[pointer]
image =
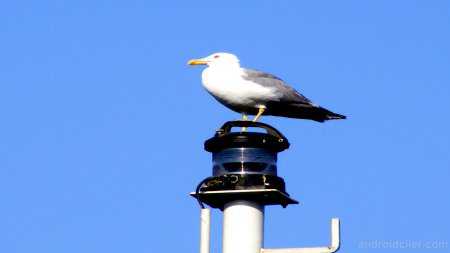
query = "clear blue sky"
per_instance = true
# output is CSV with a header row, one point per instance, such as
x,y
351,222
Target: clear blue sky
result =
x,y
103,123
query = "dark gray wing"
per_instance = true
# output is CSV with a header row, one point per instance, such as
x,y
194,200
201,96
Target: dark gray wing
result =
x,y
286,93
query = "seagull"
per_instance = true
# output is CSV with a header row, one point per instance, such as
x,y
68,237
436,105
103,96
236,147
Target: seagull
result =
x,y
252,92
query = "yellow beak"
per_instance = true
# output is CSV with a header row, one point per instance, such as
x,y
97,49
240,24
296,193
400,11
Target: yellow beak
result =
x,y
197,62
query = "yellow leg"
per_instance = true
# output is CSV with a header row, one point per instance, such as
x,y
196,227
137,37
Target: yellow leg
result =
x,y
261,110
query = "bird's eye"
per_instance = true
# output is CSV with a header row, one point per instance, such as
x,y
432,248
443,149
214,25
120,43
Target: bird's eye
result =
x,y
216,56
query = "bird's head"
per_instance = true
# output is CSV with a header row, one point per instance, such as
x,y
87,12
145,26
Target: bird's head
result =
x,y
216,59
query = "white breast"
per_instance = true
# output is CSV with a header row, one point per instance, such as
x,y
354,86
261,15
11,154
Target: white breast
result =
x,y
228,85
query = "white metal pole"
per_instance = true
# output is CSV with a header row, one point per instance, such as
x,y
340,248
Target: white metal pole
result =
x,y
205,230
243,227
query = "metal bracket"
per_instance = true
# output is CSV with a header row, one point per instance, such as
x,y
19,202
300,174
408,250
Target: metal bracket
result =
x,y
335,243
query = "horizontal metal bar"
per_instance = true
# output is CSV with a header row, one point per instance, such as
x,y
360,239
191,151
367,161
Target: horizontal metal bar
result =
x,y
335,243
298,250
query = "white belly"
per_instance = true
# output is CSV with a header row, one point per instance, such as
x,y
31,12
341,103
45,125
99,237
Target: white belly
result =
x,y
228,87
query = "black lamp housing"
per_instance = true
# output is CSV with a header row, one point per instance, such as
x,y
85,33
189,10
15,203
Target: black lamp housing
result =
x,y
245,153
244,166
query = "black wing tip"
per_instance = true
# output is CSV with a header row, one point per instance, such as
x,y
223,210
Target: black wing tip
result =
x,y
322,120
336,116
